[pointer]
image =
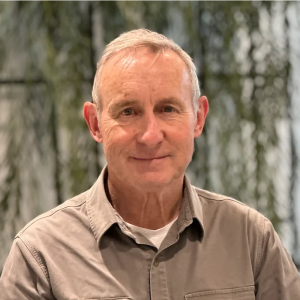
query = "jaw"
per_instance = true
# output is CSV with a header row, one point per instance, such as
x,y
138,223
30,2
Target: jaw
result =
x,y
147,177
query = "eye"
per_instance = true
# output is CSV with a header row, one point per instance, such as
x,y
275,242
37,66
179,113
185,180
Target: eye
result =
x,y
127,112
168,109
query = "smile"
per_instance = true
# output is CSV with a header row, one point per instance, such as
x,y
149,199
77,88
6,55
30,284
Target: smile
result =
x,y
149,159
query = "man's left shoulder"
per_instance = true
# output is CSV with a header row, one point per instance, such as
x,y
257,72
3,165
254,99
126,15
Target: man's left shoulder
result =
x,y
218,199
228,208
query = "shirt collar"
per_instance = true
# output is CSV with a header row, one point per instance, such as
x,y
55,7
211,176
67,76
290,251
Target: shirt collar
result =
x,y
100,212
102,215
192,207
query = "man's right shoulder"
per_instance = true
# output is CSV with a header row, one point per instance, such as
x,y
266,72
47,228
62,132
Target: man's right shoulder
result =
x,y
72,210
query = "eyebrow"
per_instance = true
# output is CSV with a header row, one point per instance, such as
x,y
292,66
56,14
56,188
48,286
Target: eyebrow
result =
x,y
113,106
118,105
170,100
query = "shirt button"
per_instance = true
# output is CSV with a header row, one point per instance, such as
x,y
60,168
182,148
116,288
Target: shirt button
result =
x,y
156,263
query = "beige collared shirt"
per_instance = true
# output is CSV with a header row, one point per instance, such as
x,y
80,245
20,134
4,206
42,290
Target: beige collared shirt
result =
x,y
217,249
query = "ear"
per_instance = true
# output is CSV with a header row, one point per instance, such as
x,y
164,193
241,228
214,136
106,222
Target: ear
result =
x,y
201,115
90,115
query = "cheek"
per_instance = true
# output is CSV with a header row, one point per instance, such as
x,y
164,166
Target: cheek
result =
x,y
183,138
108,129
183,132
116,138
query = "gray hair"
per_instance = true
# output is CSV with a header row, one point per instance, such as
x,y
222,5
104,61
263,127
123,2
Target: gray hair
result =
x,y
155,41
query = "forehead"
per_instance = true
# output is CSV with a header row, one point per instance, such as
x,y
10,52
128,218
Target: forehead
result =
x,y
143,67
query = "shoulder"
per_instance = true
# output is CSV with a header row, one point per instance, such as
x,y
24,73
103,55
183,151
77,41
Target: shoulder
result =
x,y
232,218
230,207
72,211
236,223
211,197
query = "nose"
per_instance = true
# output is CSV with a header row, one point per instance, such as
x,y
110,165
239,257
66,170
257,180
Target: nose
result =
x,y
150,133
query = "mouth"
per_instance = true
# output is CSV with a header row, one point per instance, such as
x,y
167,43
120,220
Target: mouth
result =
x,y
149,158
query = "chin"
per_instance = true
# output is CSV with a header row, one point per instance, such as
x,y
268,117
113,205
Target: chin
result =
x,y
153,181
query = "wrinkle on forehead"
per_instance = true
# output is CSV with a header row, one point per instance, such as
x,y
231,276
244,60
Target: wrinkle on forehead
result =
x,y
129,57
126,60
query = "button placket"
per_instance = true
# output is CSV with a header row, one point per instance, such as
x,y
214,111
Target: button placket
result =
x,y
158,279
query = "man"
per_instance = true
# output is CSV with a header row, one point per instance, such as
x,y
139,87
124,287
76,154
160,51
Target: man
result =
x,y
142,231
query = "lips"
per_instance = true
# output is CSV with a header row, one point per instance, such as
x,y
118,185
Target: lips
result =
x,y
149,158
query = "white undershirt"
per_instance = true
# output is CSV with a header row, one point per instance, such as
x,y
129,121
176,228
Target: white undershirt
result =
x,y
154,236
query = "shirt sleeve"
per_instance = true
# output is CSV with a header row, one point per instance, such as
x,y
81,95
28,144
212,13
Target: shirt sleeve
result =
x,y
23,276
278,278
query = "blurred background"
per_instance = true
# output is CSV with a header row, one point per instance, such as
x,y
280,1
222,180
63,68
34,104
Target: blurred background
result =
x,y
248,59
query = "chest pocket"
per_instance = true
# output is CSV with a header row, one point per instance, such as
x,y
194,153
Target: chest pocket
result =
x,y
241,293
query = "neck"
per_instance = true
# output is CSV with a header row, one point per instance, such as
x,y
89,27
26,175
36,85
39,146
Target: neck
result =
x,y
151,209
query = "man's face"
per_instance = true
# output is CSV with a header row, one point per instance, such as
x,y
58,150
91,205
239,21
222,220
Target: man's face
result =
x,y
147,122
